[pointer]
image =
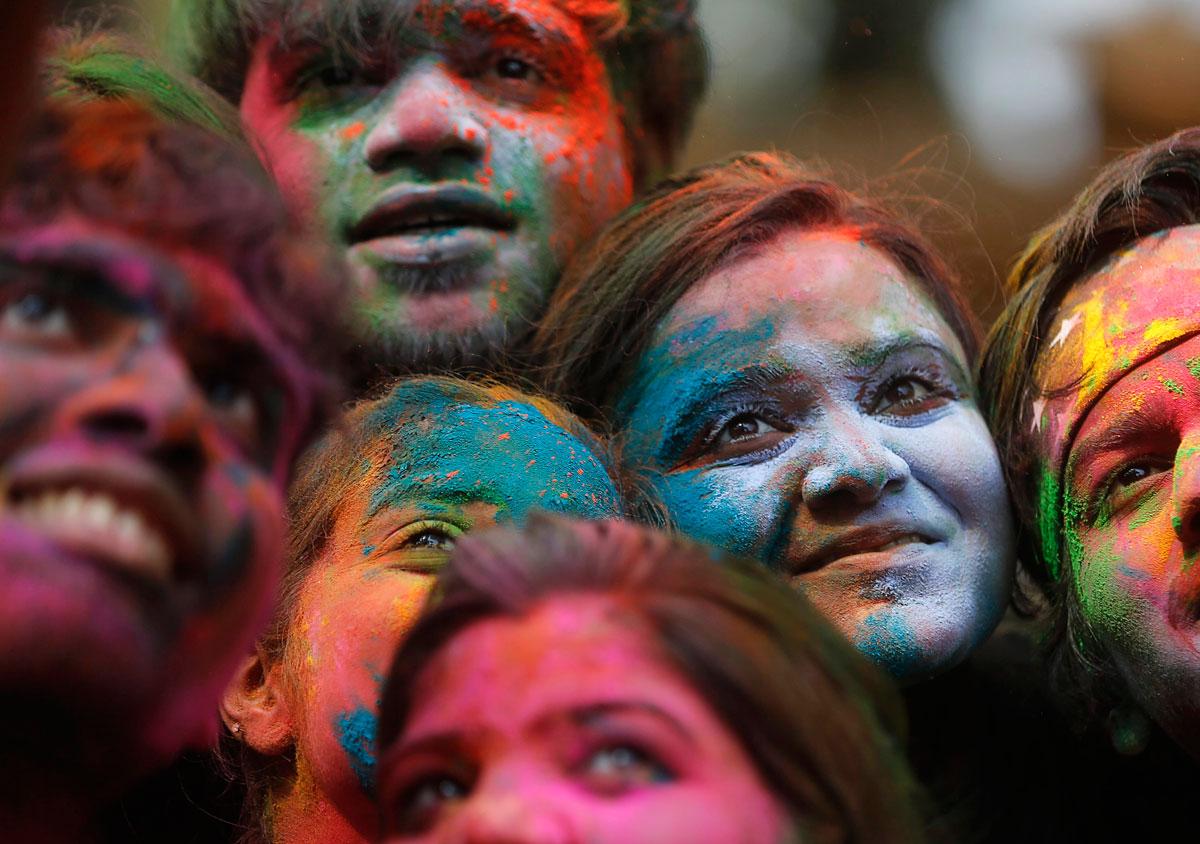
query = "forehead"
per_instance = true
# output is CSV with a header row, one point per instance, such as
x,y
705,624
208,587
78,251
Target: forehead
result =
x,y
570,647
366,23
817,287
446,446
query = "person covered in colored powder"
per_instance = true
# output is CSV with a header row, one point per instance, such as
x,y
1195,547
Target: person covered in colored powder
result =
x,y
457,151
796,382
1091,377
603,682
374,510
164,349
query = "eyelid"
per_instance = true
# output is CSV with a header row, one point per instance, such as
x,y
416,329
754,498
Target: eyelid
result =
x,y
705,441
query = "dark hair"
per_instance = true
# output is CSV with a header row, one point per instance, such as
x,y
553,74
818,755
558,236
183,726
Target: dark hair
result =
x,y
1146,191
654,51
819,722
604,312
364,437
144,157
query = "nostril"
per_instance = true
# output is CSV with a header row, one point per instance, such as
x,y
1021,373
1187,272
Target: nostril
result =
x,y
118,423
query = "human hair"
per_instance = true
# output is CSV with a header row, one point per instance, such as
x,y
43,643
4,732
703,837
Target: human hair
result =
x,y
367,436
654,50
821,725
603,314
145,158
1149,190
84,64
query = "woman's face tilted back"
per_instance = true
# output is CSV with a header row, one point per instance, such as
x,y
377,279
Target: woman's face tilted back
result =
x,y
445,463
808,406
566,725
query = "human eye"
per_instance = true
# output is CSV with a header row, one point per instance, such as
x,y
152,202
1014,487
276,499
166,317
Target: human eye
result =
x,y
422,546
618,768
749,432
421,804
1132,481
34,317
515,74
327,81
911,394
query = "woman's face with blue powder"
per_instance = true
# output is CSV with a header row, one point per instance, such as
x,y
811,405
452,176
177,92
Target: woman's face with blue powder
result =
x,y
809,407
444,463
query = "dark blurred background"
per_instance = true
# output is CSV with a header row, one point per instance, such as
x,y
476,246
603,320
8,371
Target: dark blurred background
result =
x,y
997,110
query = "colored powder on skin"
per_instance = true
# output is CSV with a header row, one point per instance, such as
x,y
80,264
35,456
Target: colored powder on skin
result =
x,y
886,639
1073,512
1147,509
1048,519
356,734
1172,387
1193,366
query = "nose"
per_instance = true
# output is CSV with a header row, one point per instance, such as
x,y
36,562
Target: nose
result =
x,y
510,817
427,123
150,405
1186,492
853,468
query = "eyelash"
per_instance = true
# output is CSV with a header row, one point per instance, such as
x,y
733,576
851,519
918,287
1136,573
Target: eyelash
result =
x,y
931,377
708,441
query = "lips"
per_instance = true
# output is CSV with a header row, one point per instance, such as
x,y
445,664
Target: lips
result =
x,y
858,541
425,212
120,514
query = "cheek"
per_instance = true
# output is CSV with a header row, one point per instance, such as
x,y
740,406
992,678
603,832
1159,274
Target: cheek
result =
x,y
956,457
1123,576
298,162
737,509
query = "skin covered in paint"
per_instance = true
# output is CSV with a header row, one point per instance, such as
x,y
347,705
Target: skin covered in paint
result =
x,y
566,725
150,418
453,468
807,406
1131,509
458,176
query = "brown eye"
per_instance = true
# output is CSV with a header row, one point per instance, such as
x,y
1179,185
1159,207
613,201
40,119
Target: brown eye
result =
x,y
909,396
743,427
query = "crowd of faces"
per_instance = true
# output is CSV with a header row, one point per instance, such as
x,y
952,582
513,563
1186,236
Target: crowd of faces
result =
x,y
269,363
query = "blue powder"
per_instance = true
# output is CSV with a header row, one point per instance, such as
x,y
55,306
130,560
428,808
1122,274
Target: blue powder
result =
x,y
356,734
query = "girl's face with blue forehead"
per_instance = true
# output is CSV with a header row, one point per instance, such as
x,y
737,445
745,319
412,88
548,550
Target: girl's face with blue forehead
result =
x,y
809,407
445,465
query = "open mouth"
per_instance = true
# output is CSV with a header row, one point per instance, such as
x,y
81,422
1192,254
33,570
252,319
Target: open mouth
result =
x,y
430,212
858,543
136,529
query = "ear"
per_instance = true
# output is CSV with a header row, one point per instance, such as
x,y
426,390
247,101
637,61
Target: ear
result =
x,y
255,708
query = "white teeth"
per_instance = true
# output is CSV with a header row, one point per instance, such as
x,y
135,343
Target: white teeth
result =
x,y
95,524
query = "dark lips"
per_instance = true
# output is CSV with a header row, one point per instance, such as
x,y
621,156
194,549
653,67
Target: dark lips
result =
x,y
854,541
418,212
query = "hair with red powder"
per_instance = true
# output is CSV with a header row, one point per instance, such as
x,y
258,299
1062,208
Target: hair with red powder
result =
x,y
821,724
614,294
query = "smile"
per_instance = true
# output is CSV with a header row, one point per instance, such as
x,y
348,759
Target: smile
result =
x,y
126,520
859,542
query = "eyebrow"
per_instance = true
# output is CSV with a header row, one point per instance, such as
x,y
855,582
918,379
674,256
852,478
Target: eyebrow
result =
x,y
1130,427
107,268
873,356
588,716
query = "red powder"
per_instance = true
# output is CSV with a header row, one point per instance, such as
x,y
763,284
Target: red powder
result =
x,y
353,131
453,474
503,437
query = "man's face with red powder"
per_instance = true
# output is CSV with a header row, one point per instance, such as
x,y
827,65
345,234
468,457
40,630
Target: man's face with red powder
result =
x,y
458,167
149,415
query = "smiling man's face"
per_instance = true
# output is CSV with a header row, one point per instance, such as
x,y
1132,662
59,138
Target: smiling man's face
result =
x,y
149,418
458,169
